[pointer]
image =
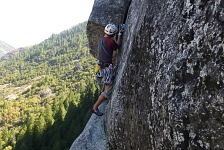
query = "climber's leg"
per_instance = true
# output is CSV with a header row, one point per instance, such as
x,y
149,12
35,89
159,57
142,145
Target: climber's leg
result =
x,y
106,94
96,105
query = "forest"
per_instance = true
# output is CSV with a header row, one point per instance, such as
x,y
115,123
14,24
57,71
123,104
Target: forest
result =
x,y
47,92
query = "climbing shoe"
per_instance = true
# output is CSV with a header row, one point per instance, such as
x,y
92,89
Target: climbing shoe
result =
x,y
97,112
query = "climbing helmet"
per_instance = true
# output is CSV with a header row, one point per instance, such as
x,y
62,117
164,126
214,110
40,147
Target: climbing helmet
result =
x,y
110,29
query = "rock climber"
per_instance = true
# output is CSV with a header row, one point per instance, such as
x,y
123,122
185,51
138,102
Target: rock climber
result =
x,y
105,69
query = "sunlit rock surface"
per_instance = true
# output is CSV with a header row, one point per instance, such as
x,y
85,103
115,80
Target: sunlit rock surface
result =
x,y
93,136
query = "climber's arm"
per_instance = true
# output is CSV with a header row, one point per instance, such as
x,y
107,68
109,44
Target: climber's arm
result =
x,y
119,39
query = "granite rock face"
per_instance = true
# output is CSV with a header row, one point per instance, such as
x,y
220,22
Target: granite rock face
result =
x,y
104,12
169,92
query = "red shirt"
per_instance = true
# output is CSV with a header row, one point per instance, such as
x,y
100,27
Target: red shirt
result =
x,y
106,46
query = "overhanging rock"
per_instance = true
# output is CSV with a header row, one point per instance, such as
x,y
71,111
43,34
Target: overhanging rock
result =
x,y
104,12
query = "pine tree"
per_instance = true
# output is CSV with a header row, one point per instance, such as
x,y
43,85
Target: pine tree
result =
x,y
48,116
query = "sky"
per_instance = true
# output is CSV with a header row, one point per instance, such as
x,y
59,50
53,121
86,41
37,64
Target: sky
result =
x,y
28,22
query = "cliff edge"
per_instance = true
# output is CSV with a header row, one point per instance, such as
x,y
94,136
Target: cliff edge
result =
x,y
93,137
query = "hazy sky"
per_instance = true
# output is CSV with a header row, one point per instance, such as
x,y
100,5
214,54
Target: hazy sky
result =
x,y
28,22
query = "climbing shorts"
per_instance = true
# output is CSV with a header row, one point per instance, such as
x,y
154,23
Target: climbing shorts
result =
x,y
107,91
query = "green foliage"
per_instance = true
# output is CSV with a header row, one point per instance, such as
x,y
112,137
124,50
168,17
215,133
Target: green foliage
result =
x,y
62,133
47,92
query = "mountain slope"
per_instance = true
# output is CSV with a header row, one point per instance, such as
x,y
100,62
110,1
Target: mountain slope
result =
x,y
5,48
45,89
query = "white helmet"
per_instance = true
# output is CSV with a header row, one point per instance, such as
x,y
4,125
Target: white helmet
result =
x,y
111,29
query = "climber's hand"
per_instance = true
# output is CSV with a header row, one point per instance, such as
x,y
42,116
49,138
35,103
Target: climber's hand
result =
x,y
122,28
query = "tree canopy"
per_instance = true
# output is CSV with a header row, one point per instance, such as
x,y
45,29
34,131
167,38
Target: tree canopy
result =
x,y
47,92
